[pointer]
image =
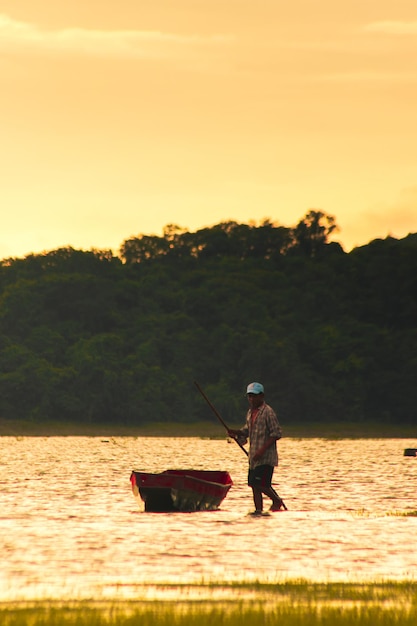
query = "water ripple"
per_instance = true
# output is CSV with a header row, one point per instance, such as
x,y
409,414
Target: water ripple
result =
x,y
70,527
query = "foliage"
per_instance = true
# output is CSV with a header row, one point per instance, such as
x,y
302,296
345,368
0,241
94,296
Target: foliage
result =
x,y
288,603
90,337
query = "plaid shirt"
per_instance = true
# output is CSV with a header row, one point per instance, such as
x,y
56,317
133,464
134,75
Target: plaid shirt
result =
x,y
266,425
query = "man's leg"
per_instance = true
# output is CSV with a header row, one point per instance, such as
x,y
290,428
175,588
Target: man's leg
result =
x,y
276,501
257,499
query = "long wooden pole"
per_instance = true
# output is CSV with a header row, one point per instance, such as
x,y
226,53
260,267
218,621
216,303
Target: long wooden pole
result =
x,y
219,417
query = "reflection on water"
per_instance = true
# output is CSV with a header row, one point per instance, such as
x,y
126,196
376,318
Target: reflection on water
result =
x,y
70,527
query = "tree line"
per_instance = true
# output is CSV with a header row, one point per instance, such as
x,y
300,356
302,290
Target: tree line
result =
x,y
89,336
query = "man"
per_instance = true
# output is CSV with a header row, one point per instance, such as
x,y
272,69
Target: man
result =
x,y
263,429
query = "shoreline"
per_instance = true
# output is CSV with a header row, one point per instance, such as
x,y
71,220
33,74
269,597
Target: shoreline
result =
x,y
210,430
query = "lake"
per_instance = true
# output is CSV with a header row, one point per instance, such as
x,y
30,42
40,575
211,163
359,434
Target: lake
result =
x,y
70,527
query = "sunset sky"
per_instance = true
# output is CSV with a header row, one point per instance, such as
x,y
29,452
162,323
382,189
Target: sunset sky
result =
x,y
119,117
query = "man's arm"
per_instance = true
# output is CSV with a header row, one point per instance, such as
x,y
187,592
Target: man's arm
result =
x,y
268,443
239,434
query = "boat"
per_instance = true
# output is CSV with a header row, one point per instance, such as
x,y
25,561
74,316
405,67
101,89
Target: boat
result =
x,y
410,452
181,490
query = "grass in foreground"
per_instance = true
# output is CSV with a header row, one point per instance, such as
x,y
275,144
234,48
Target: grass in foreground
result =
x,y
341,616
287,604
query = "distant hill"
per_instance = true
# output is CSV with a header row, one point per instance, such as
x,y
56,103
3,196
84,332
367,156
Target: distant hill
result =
x,y
89,337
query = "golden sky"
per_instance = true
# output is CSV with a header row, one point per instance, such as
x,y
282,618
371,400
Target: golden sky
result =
x,y
118,117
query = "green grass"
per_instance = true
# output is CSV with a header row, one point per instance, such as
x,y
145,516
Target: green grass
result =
x,y
247,604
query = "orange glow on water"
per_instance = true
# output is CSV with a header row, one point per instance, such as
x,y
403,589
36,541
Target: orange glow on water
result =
x,y
71,527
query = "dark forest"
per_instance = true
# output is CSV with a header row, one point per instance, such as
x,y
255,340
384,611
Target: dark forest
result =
x,y
98,338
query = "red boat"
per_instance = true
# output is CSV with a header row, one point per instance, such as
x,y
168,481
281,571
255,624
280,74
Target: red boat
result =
x,y
181,490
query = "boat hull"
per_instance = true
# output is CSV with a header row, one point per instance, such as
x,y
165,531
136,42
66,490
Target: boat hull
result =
x,y
181,490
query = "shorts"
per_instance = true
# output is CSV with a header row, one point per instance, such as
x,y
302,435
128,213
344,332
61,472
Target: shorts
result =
x,y
260,476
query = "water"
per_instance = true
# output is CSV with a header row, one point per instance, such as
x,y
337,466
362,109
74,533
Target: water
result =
x,y
71,528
